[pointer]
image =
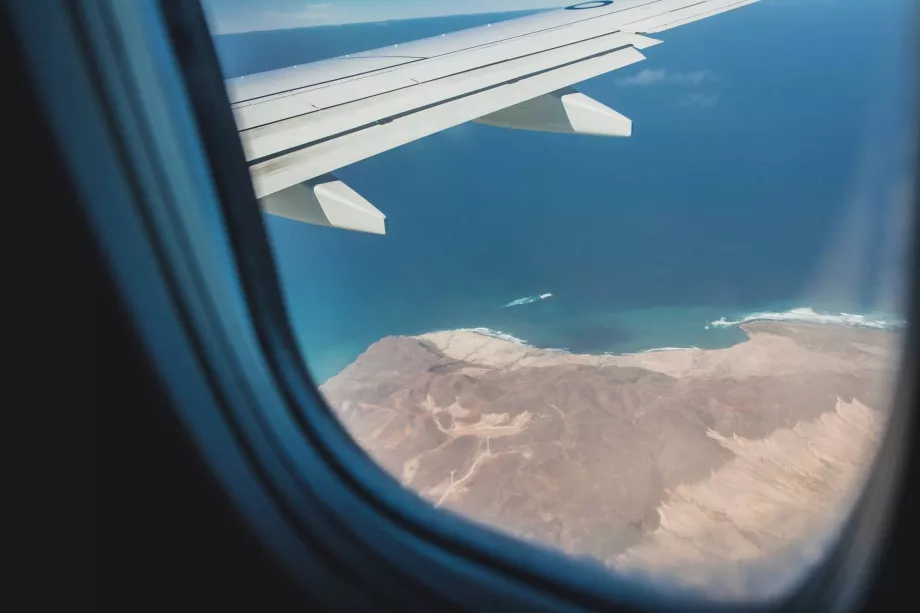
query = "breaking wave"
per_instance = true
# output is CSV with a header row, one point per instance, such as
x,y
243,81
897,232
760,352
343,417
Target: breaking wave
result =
x,y
495,334
528,300
652,350
517,341
809,315
667,349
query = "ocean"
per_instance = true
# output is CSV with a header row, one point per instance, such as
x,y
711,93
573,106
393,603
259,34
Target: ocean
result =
x,y
769,170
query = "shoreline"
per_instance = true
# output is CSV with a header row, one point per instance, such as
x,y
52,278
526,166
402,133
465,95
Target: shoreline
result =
x,y
809,315
801,315
764,337
798,315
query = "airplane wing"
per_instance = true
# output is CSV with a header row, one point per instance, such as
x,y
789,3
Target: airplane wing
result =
x,y
300,124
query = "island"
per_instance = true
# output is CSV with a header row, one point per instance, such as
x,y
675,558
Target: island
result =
x,y
674,463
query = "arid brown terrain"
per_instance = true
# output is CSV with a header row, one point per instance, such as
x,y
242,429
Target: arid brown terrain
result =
x,y
681,461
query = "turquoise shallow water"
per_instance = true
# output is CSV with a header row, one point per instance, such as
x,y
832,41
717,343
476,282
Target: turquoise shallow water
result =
x,y
768,170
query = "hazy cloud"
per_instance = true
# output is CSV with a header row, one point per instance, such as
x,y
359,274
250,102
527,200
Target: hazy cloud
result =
x,y
650,76
228,16
699,101
306,15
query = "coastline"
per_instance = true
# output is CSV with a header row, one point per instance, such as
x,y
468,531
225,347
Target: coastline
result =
x,y
770,348
797,315
674,329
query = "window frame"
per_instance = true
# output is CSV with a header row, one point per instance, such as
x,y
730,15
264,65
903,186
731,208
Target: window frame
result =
x,y
168,196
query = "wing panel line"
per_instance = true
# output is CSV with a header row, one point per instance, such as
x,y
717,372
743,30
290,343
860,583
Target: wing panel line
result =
x,y
436,79
388,119
495,42
698,16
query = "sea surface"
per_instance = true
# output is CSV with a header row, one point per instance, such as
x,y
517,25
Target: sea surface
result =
x,y
769,170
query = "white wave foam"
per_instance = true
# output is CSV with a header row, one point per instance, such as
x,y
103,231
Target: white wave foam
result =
x,y
495,334
668,349
528,300
809,315
513,339
653,350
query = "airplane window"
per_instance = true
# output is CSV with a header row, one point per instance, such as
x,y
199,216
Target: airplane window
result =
x,y
625,279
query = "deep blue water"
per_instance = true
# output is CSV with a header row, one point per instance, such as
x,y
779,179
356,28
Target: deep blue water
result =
x,y
778,180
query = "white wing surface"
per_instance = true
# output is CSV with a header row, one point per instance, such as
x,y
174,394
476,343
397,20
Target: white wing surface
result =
x,y
300,124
